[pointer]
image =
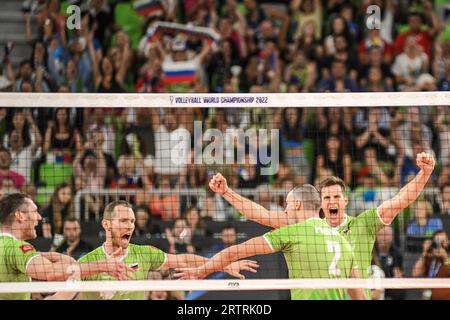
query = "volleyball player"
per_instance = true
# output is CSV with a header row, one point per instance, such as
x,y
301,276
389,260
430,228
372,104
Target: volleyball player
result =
x,y
119,223
360,231
312,249
20,262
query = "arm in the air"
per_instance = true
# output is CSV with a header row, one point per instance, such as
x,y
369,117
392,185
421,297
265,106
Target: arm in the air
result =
x,y
388,210
255,212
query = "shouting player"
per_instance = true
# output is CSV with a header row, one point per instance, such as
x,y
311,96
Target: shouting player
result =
x,y
20,262
312,249
119,223
360,231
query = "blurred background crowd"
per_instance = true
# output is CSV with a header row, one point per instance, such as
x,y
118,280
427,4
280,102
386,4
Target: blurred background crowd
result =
x,y
258,46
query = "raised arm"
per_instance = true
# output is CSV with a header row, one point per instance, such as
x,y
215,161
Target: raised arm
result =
x,y
224,258
246,207
388,210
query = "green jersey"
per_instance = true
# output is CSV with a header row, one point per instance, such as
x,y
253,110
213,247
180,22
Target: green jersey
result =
x,y
15,255
361,232
141,259
313,249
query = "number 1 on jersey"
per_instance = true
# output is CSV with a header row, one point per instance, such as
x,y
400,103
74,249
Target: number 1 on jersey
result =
x,y
333,246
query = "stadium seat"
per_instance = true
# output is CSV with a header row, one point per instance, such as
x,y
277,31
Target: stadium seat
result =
x,y
53,174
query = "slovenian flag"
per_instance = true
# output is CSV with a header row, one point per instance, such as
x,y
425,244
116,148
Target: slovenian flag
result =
x,y
179,72
148,7
134,266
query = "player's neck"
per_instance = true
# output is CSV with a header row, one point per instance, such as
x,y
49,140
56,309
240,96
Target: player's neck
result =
x,y
12,230
110,248
336,223
306,214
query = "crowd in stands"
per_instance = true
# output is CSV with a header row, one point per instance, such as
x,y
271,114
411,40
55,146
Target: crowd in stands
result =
x,y
265,46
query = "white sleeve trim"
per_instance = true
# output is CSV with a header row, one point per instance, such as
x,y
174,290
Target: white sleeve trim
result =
x,y
379,217
29,260
268,242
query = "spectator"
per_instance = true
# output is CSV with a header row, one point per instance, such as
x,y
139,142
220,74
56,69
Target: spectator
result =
x,y
345,54
424,38
338,81
409,65
375,60
442,126
334,156
372,130
60,138
146,223
434,263
423,223
301,72
445,195
377,273
228,238
292,134
391,260
8,176
180,237
212,209
264,199
307,12
338,27
60,208
130,164
374,47
96,142
24,141
249,173
90,171
72,244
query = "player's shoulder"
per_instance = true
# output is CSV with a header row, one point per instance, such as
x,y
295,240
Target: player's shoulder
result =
x,y
138,248
363,215
10,242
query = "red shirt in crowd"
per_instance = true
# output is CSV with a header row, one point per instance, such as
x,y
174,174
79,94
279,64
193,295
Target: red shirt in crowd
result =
x,y
423,38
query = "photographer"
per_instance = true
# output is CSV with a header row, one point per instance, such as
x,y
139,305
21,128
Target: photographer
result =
x,y
434,263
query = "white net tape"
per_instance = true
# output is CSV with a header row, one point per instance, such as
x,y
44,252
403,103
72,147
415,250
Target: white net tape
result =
x,y
362,99
223,285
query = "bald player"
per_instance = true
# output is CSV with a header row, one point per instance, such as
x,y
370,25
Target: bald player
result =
x,y
312,249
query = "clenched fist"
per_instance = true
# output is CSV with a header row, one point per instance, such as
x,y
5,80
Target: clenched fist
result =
x,y
218,184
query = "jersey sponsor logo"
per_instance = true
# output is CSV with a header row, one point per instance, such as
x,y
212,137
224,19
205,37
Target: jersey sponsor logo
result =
x,y
26,248
346,231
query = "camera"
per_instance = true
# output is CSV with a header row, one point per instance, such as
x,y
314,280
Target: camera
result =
x,y
435,244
